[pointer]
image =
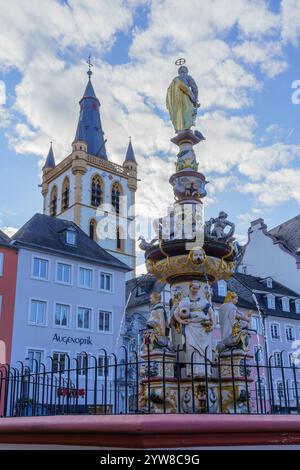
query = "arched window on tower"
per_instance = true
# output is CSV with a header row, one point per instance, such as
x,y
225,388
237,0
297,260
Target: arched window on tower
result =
x,y
115,197
53,201
65,195
93,226
119,238
96,191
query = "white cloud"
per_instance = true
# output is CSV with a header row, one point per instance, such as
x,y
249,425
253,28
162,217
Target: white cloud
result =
x,y
290,17
278,187
52,26
46,41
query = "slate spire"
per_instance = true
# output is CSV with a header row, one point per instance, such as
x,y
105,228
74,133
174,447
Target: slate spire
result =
x,y
130,157
89,128
50,161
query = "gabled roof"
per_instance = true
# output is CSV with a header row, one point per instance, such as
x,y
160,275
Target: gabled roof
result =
x,y
4,239
289,233
48,234
257,284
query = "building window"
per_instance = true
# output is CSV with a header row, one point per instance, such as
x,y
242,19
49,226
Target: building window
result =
x,y
71,237
93,227
96,191
277,359
1,263
62,315
105,321
82,364
280,390
295,390
106,282
260,389
40,268
115,197
85,277
255,324
258,354
38,309
65,196
289,333
269,283
271,301
275,331
59,362
84,316
53,201
285,304
63,273
0,306
222,288
104,367
119,238
297,306
35,359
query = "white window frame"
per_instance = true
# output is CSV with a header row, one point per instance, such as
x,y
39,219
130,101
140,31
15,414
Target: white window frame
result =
x,y
91,318
44,258
60,351
269,298
257,347
46,313
270,283
81,266
81,368
222,285
110,369
297,306
72,232
258,323
69,319
1,264
71,274
285,302
106,273
279,331
293,332
278,382
110,332
34,348
277,354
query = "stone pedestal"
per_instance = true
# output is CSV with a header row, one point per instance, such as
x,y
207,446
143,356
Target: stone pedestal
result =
x,y
235,377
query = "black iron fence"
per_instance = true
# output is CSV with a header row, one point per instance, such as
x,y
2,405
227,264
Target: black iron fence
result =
x,y
162,383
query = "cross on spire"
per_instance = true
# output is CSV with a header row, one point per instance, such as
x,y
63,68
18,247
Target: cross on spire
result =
x,y
89,72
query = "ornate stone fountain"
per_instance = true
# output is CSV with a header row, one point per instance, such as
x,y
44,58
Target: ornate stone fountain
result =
x,y
190,255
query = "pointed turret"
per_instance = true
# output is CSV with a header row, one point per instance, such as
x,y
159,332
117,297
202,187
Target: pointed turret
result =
x,y
130,157
130,165
89,128
50,161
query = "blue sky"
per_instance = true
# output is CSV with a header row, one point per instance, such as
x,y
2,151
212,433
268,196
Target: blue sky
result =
x,y
244,59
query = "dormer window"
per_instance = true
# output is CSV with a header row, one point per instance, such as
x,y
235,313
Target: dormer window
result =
x,y
285,304
297,305
269,283
222,288
71,237
271,301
